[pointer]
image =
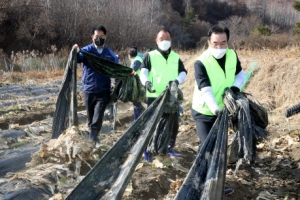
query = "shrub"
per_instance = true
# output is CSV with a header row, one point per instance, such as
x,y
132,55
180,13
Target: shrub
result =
x,y
261,30
297,28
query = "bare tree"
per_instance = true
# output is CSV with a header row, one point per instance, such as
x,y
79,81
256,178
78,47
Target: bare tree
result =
x,y
249,22
153,12
282,13
234,24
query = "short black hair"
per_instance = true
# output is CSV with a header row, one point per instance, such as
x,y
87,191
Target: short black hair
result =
x,y
165,30
99,28
132,52
218,29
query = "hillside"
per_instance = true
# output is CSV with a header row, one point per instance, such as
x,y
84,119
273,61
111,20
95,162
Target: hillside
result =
x,y
38,25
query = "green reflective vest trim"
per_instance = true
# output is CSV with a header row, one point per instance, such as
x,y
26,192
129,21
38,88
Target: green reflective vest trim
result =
x,y
218,79
162,71
135,59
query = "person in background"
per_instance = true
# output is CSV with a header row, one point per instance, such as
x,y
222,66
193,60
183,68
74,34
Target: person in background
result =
x,y
217,68
160,66
95,86
138,53
136,62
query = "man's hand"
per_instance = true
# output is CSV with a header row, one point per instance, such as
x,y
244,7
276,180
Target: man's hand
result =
x,y
148,85
132,73
170,83
176,81
235,89
217,112
75,46
113,94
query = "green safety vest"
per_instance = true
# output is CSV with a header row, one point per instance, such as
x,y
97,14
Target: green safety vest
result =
x,y
139,59
162,71
218,79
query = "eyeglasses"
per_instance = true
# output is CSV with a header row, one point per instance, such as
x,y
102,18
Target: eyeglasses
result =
x,y
220,45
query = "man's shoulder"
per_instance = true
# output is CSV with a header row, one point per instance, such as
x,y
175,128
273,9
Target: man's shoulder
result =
x,y
137,61
173,52
108,54
88,47
146,55
108,50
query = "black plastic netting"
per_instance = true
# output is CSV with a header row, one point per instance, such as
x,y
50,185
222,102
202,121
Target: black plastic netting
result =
x,y
249,119
129,89
64,110
258,112
159,142
106,67
206,178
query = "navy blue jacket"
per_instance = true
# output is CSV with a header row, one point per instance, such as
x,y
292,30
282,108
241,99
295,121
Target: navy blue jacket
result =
x,y
93,81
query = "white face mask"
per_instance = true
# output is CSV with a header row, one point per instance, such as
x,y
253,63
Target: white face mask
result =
x,y
217,53
164,45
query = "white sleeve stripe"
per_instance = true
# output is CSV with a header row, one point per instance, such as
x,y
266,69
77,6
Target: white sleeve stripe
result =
x,y
239,79
210,99
181,77
144,75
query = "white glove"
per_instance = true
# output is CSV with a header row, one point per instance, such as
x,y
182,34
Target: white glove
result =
x,y
75,46
217,112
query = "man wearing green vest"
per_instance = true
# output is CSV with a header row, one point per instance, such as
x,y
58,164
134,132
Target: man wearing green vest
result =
x,y
217,68
136,62
160,66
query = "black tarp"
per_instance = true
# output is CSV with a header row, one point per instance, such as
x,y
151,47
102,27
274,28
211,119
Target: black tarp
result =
x,y
128,88
249,119
109,177
206,178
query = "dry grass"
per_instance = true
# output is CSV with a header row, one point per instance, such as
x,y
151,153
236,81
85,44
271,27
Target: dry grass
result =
x,y
276,80
275,41
34,76
276,83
